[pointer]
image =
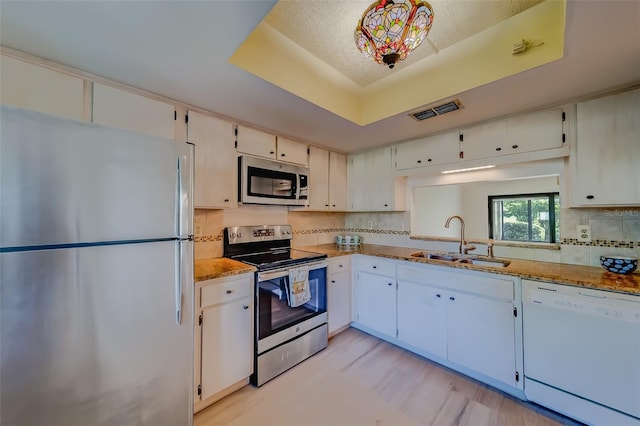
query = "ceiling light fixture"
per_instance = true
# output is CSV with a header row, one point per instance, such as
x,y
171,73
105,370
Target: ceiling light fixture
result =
x,y
390,29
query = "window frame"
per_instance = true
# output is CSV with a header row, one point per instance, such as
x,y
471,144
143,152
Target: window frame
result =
x,y
551,196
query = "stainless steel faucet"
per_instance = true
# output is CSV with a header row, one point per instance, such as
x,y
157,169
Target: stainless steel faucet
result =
x,y
463,248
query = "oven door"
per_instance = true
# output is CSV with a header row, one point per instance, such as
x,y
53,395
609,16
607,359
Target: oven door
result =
x,y
274,315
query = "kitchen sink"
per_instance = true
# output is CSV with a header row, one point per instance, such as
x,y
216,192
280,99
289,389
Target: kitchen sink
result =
x,y
464,258
496,263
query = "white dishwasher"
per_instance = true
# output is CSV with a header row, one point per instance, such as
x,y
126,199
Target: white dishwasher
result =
x,y
582,352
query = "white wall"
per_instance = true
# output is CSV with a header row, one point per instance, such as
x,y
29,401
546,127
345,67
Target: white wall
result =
x,y
433,204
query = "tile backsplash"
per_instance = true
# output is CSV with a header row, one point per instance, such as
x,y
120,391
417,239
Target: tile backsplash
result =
x,y
613,231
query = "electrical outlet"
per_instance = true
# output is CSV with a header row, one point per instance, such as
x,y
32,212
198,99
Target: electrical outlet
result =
x,y
197,229
584,233
370,224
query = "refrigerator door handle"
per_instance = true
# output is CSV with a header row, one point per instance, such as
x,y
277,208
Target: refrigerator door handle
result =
x,y
178,282
179,200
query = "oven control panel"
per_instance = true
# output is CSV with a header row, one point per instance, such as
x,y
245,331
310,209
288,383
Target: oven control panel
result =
x,y
251,234
268,232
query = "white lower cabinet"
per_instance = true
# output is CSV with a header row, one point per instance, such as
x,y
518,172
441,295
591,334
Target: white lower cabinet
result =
x,y
467,319
422,318
375,294
376,303
223,337
481,335
339,293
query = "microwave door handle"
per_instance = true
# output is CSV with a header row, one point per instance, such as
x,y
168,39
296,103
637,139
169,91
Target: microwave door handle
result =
x,y
296,187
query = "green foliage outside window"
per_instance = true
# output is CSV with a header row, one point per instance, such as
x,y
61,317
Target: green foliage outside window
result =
x,y
528,218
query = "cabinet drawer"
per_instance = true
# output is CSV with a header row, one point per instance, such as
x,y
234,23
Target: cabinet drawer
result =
x,y
376,265
496,288
225,290
339,264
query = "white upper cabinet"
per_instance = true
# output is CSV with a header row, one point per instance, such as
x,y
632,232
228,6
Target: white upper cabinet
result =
x,y
328,180
337,181
292,152
526,133
36,88
261,144
216,165
535,131
126,110
372,185
318,179
485,140
434,150
255,142
606,167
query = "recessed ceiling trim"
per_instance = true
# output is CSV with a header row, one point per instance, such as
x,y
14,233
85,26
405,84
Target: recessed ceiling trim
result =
x,y
473,62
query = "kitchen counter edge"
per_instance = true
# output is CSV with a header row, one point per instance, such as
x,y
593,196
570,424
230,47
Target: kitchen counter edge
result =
x,y
218,267
560,273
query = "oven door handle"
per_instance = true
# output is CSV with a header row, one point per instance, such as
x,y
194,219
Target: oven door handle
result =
x,y
284,272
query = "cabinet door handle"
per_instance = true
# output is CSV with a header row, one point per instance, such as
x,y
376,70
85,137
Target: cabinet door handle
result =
x,y
339,266
438,295
514,146
282,155
326,205
590,197
498,149
452,298
429,160
374,266
333,205
333,281
419,161
271,152
229,291
390,284
226,200
245,307
386,205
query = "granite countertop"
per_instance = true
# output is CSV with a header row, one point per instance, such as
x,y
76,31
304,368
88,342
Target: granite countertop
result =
x,y
576,275
208,269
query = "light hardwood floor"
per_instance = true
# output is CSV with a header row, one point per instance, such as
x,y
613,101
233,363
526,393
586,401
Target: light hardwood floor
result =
x,y
362,380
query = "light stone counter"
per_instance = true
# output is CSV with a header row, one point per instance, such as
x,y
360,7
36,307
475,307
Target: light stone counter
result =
x,y
208,269
576,275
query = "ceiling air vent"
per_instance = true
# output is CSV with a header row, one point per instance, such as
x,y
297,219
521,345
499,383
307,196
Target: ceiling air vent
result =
x,y
437,110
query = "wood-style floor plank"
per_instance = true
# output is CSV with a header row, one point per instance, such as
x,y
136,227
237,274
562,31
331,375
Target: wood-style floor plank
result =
x,y
362,380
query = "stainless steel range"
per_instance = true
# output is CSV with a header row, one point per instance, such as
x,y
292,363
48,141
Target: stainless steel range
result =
x,y
291,297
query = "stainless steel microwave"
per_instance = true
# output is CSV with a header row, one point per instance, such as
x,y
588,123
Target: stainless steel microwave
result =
x,y
264,181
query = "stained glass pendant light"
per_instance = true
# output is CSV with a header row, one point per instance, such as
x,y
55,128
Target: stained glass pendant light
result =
x,y
390,29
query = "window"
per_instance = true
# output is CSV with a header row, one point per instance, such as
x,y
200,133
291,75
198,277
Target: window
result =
x,y
528,217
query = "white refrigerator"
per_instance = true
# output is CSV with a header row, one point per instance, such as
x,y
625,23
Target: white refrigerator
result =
x,y
96,274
